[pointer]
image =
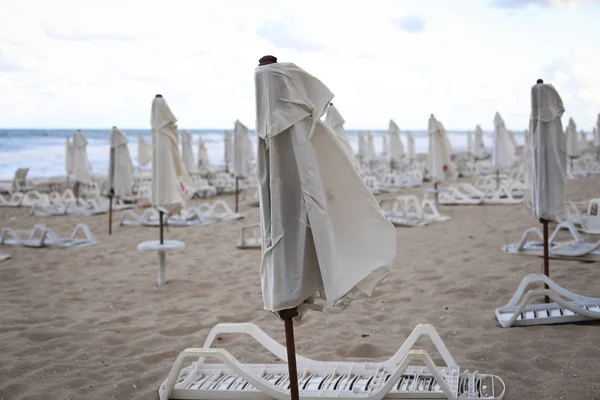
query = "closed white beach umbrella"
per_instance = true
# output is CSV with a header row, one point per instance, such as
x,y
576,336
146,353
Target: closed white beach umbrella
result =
x,y
228,147
479,146
120,170
242,165
597,133
81,164
323,232
371,153
439,163
584,143
362,147
410,144
573,149
444,134
144,151
69,157
503,150
203,161
187,154
549,150
334,119
385,146
470,144
396,146
513,139
171,184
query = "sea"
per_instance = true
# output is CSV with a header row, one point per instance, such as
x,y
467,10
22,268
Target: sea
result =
x,y
43,150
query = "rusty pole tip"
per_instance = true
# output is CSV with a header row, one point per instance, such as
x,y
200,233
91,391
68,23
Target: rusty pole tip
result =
x,y
267,60
540,81
159,95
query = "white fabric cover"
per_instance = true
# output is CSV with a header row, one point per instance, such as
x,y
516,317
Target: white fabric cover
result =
x,y
549,153
444,134
187,154
334,119
363,146
573,149
396,146
385,146
120,168
242,151
228,155
439,163
470,149
69,157
410,144
144,151
81,164
479,146
322,230
203,161
371,153
584,144
597,133
171,184
503,155
513,139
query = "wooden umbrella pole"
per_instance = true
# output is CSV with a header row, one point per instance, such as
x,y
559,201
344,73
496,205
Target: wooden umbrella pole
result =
x,y
288,319
162,235
546,269
110,205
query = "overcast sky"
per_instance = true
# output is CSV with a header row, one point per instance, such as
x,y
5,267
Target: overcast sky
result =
x,y
94,64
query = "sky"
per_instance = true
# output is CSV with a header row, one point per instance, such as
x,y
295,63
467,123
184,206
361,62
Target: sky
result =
x,y
95,64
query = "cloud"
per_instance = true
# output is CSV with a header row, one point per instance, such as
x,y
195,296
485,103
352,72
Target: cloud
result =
x,y
411,24
521,4
282,36
9,64
74,34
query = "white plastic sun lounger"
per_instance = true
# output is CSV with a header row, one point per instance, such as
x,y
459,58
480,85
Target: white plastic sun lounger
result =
x,y
566,306
41,236
250,237
397,377
221,210
15,200
577,249
394,212
4,256
589,222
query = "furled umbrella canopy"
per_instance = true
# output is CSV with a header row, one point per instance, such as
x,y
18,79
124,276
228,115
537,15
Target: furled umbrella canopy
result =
x,y
439,163
470,144
447,143
597,133
322,229
187,154
479,146
396,146
410,144
548,146
513,139
573,149
584,143
334,119
81,164
242,164
363,148
203,161
385,146
144,151
503,151
69,157
371,153
228,153
120,171
171,184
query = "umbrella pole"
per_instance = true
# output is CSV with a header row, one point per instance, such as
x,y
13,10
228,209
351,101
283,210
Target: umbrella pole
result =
x,y
287,316
76,190
437,195
546,269
497,179
110,204
236,193
162,233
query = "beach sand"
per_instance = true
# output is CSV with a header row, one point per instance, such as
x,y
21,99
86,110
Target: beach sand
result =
x,y
90,324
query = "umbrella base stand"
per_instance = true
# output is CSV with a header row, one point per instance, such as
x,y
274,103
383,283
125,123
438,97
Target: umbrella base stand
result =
x,y
288,318
161,249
